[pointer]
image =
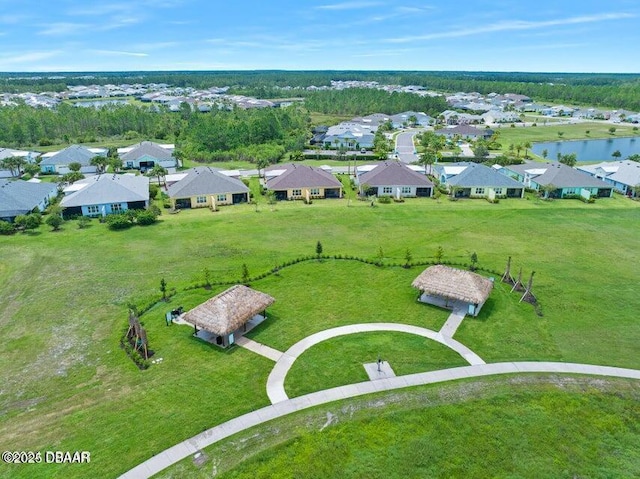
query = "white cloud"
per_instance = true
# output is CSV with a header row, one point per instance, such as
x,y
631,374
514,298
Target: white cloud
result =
x,y
64,28
8,62
119,53
513,26
354,5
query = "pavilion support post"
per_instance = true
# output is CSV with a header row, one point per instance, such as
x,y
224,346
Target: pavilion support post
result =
x,y
527,291
506,277
518,282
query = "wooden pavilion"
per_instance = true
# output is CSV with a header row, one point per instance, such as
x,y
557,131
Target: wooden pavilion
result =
x,y
225,316
453,288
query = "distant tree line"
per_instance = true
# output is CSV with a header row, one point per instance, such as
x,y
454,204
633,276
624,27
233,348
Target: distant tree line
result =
x,y
27,126
364,101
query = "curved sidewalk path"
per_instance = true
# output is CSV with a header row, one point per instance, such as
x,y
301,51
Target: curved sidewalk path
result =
x,y
189,447
275,382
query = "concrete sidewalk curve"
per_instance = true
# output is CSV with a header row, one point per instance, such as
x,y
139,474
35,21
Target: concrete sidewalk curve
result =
x,y
189,447
275,382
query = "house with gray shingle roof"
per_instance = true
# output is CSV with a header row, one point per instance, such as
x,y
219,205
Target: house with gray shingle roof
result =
x,y
475,180
393,178
296,182
403,119
465,131
623,175
567,180
22,197
146,155
59,161
106,194
206,187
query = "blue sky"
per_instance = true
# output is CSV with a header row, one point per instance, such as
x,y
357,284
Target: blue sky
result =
x,y
489,35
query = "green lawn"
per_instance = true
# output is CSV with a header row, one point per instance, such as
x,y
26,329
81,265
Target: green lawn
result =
x,y
339,361
549,132
526,427
68,386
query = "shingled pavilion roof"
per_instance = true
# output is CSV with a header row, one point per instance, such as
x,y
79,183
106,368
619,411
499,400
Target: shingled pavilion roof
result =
x,y
229,310
452,283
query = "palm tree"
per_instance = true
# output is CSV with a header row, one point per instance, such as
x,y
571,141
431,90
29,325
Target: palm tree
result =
x,y
13,164
159,172
100,162
526,145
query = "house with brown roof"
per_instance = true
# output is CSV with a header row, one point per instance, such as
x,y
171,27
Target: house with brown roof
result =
x,y
453,288
392,178
228,315
297,182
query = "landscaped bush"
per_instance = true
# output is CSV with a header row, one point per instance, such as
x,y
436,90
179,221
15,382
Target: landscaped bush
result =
x,y
145,217
118,222
153,190
6,228
384,200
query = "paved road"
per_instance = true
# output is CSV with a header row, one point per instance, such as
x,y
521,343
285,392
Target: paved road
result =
x,y
405,147
191,446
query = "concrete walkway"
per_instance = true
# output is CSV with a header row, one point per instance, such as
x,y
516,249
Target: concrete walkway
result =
x,y
189,447
275,382
453,322
259,348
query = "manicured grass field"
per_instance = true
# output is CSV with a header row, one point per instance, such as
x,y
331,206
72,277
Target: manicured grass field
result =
x,y
524,427
339,361
549,132
67,385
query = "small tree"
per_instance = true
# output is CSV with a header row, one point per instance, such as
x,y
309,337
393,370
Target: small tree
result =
x,y
545,153
549,190
560,134
318,248
616,154
55,221
207,277
588,132
408,257
474,261
163,289
245,273
439,255
75,166
612,130
83,222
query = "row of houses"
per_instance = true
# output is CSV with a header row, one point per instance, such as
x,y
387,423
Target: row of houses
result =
x,y
141,156
206,187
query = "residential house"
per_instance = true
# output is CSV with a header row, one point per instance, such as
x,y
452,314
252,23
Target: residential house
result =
x,y
58,161
465,131
105,194
559,110
566,180
497,116
145,155
411,118
624,175
349,135
296,182
28,156
206,187
450,117
475,180
22,197
393,178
